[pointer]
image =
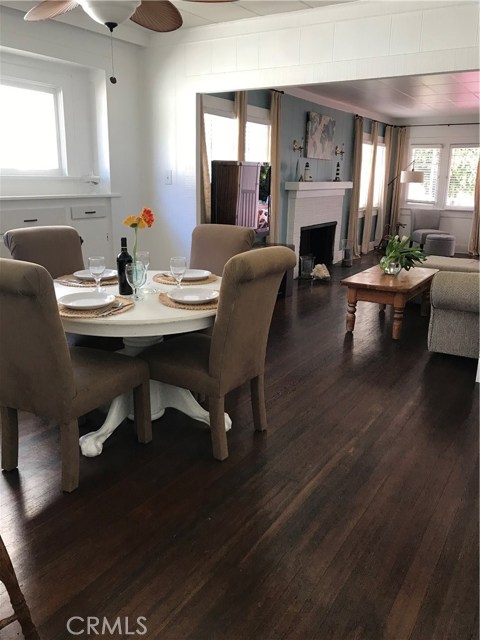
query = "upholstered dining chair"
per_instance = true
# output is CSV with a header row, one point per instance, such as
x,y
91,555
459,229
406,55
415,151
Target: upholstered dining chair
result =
x,y
41,375
57,248
214,244
423,224
235,353
21,612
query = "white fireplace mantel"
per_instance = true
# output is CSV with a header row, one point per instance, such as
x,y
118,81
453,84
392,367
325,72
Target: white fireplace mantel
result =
x,y
311,203
317,189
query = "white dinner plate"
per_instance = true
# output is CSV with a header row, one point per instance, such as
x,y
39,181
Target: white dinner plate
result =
x,y
193,296
85,274
192,274
86,300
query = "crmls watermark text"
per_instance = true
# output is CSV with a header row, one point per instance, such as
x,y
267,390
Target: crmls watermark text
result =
x,y
76,625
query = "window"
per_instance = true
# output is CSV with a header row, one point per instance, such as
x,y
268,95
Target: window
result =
x,y
221,137
29,130
461,176
367,154
426,159
257,142
221,131
53,126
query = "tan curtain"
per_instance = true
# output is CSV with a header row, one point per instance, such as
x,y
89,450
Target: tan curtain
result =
x,y
474,241
399,164
275,114
352,238
367,222
379,231
205,190
241,105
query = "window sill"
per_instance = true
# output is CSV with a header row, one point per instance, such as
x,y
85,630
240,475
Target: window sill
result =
x,y
64,196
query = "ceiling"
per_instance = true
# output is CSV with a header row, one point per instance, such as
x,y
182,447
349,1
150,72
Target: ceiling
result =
x,y
436,98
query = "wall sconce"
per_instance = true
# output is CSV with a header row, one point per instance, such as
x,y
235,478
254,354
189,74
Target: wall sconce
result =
x,y
296,146
340,151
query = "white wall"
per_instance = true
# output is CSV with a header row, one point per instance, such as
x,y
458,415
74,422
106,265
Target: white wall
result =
x,y
120,106
353,41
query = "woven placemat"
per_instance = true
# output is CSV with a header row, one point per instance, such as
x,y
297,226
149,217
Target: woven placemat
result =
x,y
111,310
161,279
72,281
168,302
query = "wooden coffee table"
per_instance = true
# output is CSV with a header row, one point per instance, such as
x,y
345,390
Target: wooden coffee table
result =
x,y
372,285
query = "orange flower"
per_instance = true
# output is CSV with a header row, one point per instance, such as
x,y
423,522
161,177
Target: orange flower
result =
x,y
145,219
148,217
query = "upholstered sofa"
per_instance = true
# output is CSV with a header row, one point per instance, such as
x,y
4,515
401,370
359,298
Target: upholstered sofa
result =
x,y
454,313
452,264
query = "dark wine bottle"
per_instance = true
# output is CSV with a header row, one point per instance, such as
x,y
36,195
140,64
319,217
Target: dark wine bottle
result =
x,y
123,259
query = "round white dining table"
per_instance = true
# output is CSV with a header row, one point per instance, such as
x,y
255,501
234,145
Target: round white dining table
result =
x,y
141,327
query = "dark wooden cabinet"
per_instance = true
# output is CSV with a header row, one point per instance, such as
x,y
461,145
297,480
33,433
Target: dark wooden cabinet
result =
x,y
235,192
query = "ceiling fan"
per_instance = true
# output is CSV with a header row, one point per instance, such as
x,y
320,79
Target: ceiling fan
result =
x,y
156,15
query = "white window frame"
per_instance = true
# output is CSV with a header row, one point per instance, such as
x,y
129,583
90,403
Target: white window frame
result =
x,y
452,146
226,109
59,125
440,185
367,140
82,126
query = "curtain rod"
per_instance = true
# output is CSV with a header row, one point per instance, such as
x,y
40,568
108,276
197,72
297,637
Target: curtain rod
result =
x,y
400,126
443,124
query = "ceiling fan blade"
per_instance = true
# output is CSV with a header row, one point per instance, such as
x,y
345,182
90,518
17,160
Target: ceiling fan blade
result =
x,y
158,15
50,9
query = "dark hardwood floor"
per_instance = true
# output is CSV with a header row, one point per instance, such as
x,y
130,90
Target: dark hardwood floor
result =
x,y
354,517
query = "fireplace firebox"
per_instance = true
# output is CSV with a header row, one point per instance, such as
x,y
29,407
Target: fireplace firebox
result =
x,y
317,240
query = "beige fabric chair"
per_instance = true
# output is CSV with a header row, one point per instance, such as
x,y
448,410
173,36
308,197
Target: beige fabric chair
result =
x,y
235,353
41,375
214,244
423,224
57,248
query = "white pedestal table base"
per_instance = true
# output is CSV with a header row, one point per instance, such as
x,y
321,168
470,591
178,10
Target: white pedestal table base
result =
x,y
162,396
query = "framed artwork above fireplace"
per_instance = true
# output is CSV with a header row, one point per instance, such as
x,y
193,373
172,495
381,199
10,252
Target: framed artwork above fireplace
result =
x,y
320,136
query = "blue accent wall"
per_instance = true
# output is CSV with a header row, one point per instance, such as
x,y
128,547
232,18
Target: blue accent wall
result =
x,y
294,127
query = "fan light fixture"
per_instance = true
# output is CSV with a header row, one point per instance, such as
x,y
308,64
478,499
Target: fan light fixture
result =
x,y
111,14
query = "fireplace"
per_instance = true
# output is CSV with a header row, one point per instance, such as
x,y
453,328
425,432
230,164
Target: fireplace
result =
x,y
317,206
317,241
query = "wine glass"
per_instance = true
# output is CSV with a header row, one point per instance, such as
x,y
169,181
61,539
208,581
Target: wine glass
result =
x,y
178,266
144,256
96,266
136,275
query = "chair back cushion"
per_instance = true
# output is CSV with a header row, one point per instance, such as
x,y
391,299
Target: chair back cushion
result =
x,y
57,248
247,298
425,220
214,244
35,365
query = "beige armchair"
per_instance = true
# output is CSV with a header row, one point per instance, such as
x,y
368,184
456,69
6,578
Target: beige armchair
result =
x,y
235,353
40,374
214,244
